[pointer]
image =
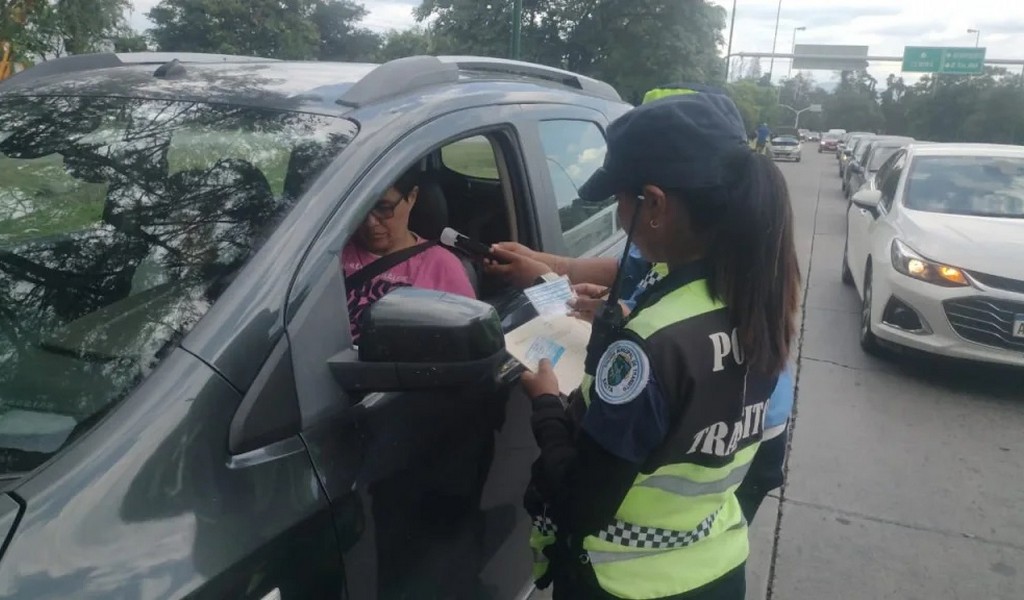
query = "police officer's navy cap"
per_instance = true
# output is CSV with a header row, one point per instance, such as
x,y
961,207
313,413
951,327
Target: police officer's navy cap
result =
x,y
677,142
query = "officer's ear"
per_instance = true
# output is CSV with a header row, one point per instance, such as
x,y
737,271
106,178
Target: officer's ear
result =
x,y
656,203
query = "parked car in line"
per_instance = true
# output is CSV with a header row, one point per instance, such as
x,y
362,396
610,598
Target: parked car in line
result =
x,y
935,252
785,147
867,159
184,412
845,147
829,142
814,136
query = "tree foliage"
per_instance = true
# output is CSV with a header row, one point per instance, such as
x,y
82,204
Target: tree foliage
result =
x,y
290,29
43,29
953,108
633,44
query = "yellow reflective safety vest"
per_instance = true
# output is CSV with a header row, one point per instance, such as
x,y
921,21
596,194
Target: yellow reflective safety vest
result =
x,y
680,526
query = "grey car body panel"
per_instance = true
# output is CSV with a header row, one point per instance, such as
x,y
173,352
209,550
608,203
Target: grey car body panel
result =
x,y
158,510
150,503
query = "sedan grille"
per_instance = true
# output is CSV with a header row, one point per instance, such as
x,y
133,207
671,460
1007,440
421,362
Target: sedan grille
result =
x,y
986,321
1000,283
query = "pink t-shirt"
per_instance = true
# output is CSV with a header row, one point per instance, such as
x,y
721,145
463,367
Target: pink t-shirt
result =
x,y
433,269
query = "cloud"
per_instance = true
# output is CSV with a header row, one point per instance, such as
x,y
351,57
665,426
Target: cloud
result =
x,y
390,14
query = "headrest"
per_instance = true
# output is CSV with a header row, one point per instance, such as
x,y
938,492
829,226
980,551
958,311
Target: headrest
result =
x,y
430,215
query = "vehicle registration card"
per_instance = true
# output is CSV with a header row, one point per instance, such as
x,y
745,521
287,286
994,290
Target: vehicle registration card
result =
x,y
542,348
1018,326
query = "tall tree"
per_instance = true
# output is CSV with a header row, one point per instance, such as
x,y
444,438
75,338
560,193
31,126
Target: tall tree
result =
x,y
632,44
272,28
341,37
42,29
411,42
678,41
290,29
753,70
485,29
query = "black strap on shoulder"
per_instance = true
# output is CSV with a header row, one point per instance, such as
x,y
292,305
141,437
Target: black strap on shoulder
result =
x,y
384,264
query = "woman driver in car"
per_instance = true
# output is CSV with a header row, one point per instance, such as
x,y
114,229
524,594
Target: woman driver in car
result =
x,y
408,259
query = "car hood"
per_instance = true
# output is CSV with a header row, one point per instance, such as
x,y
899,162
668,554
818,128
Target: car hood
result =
x,y
984,244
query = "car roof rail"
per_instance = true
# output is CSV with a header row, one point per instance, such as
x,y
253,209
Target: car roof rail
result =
x,y
535,71
408,74
105,60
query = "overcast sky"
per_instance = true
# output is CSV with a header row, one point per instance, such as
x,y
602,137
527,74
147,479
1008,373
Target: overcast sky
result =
x,y
886,26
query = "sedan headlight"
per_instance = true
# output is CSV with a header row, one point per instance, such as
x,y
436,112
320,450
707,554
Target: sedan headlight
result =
x,y
912,264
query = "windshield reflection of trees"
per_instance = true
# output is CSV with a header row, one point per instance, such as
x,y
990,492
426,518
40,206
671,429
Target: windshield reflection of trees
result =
x,y
88,302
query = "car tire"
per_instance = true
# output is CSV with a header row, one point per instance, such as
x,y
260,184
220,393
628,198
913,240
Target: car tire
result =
x,y
847,275
868,341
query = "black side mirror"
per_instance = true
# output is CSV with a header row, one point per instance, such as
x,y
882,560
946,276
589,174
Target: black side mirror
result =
x,y
416,339
858,169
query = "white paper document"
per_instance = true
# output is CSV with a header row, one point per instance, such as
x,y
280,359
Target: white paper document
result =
x,y
559,338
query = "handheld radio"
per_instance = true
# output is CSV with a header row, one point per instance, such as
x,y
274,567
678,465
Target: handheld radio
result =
x,y
610,321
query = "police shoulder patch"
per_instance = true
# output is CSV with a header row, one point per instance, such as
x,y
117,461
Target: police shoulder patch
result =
x,y
622,372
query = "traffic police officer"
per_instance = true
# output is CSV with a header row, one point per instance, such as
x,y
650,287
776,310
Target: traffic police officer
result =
x,y
638,495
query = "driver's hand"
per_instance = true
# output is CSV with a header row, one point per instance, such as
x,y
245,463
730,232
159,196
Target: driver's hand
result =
x,y
515,264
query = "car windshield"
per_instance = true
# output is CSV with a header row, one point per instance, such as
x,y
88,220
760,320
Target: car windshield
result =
x,y
983,186
121,221
828,137
880,154
785,141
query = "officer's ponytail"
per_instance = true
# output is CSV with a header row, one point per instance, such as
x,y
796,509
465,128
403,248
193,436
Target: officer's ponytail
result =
x,y
748,225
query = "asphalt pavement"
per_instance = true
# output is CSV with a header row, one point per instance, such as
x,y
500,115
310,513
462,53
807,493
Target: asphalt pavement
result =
x,y
905,477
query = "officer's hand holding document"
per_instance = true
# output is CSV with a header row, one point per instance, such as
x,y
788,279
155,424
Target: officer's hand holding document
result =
x,y
554,335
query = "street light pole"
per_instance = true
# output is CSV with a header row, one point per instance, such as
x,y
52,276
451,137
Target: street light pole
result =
x,y
977,36
775,41
728,48
517,28
793,50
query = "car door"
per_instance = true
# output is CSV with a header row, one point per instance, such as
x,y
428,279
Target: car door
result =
x,y
863,222
570,145
426,488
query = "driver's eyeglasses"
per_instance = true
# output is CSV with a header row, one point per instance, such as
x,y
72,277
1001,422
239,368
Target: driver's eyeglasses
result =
x,y
385,210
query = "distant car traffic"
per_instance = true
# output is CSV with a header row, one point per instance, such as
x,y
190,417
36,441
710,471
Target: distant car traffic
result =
x,y
868,159
935,252
829,142
785,147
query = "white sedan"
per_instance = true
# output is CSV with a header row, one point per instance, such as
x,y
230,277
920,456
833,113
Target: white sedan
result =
x,y
785,147
936,251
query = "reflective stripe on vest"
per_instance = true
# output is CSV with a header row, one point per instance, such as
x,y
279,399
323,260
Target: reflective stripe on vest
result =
x,y
679,527
659,93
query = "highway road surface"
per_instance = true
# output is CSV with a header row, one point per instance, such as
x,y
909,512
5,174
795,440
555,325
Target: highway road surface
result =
x,y
905,475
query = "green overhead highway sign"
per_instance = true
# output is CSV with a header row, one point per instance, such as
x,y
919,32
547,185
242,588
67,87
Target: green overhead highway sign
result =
x,y
958,61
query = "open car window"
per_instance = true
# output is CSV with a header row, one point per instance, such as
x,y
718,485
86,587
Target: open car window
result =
x,y
121,222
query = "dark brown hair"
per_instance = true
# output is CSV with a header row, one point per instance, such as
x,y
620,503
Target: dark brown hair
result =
x,y
748,225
